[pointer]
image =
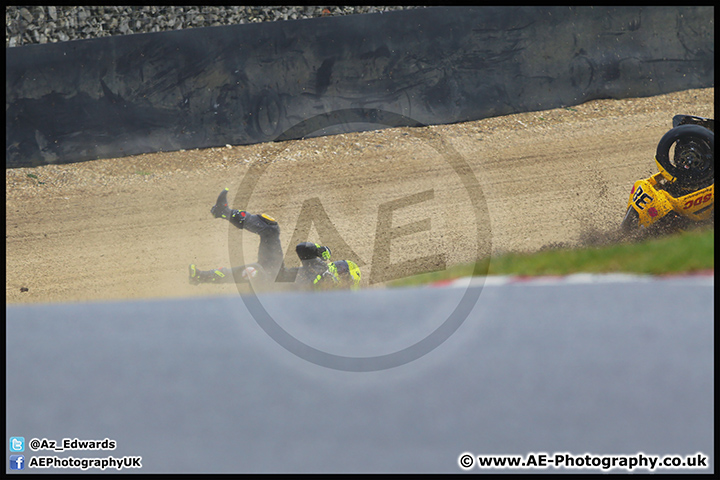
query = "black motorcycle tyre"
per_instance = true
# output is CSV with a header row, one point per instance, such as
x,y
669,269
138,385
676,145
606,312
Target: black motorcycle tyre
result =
x,y
631,221
682,132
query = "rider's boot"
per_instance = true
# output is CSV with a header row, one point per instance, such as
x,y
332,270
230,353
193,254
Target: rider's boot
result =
x,y
221,210
218,275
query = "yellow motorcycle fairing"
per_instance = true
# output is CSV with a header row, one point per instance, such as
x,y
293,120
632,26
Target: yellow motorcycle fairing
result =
x,y
652,202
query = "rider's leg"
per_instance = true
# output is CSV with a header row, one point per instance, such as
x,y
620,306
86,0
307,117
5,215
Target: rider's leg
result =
x,y
270,254
241,274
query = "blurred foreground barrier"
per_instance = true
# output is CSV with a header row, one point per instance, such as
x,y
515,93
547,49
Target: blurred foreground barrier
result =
x,y
243,84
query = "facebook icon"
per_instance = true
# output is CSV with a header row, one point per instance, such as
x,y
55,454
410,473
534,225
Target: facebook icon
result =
x,y
17,462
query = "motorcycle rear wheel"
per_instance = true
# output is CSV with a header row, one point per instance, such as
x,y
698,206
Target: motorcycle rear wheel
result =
x,y
703,171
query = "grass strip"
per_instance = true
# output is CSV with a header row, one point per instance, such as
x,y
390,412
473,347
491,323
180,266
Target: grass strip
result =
x,y
685,252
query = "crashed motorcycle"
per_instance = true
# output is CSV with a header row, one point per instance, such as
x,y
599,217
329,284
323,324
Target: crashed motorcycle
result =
x,y
681,196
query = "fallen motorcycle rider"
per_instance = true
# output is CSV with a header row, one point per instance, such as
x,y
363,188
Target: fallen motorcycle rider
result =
x,y
314,271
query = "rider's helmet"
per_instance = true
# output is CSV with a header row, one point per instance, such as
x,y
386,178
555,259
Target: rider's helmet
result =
x,y
346,273
310,250
685,157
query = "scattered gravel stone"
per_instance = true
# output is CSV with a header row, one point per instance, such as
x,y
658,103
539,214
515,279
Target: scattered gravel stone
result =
x,y
32,25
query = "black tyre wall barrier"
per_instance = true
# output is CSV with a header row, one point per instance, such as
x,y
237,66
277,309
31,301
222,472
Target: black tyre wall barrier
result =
x,y
241,84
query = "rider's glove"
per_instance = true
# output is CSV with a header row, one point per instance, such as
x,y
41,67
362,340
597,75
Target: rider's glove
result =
x,y
323,252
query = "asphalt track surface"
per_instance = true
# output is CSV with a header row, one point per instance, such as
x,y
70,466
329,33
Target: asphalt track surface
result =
x,y
199,385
